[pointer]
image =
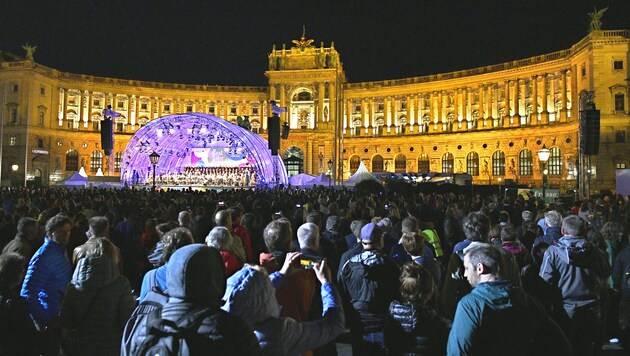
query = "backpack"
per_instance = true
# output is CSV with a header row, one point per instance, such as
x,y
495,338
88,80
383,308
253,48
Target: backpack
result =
x,y
136,327
165,337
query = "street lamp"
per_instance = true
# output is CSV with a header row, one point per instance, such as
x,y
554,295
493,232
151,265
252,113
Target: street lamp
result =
x,y
543,157
154,158
330,165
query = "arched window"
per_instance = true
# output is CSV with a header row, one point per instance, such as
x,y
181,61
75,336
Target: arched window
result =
x,y
472,164
525,163
355,161
294,161
423,163
96,161
400,164
447,163
498,163
377,163
72,160
554,164
118,157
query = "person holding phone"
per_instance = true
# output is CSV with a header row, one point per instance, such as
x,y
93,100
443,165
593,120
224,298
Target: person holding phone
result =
x,y
250,294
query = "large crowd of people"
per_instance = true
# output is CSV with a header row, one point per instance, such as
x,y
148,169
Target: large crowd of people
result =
x,y
284,272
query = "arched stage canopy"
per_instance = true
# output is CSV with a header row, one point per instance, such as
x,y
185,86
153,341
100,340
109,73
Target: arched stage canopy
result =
x,y
198,140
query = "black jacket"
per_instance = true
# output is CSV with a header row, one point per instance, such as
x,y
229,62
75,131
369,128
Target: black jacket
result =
x,y
415,330
370,280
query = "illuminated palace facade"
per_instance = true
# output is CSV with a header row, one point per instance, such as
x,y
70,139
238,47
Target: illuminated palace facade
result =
x,y
489,122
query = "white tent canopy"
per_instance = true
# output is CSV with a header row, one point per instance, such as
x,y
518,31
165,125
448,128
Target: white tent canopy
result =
x,y
321,179
360,175
74,181
301,179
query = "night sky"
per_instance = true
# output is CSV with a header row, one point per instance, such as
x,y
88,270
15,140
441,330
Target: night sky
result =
x,y
227,42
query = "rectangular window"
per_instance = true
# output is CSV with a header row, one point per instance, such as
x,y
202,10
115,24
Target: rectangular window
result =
x,y
583,70
12,141
120,127
117,162
381,107
40,143
620,137
357,108
618,65
96,102
233,110
620,104
189,108
621,166
167,107
15,88
403,105
42,91
120,105
211,109
143,106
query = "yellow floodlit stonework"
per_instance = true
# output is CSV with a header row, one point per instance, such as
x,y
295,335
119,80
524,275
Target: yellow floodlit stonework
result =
x,y
489,122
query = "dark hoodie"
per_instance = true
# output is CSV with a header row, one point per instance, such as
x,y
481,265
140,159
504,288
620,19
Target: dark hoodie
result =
x,y
195,279
493,319
574,265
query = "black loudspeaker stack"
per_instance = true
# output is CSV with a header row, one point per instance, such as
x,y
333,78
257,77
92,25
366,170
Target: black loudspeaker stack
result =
x,y
107,136
273,133
589,131
285,131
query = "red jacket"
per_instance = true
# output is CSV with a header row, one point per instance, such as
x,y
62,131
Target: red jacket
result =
x,y
232,264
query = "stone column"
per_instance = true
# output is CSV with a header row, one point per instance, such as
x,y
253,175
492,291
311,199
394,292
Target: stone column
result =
x,y
517,104
84,107
440,112
534,115
63,102
417,112
544,115
489,101
133,111
89,107
332,104
522,99
392,117
320,102
411,111
348,117
563,95
283,102
482,97
554,85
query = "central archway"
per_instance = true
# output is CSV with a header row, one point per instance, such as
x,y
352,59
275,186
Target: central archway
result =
x,y
198,140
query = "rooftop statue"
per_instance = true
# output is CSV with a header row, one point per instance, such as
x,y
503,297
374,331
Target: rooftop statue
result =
x,y
303,43
596,16
30,51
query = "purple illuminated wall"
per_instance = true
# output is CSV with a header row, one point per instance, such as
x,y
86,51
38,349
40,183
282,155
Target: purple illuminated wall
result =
x,y
174,137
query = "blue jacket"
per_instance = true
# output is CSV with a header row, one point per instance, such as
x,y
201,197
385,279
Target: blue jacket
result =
x,y
551,236
46,280
493,319
251,295
155,277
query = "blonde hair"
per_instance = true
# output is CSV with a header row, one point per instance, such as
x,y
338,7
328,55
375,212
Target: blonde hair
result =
x,y
99,246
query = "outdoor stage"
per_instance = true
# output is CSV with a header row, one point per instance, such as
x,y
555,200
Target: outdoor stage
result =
x,y
200,151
